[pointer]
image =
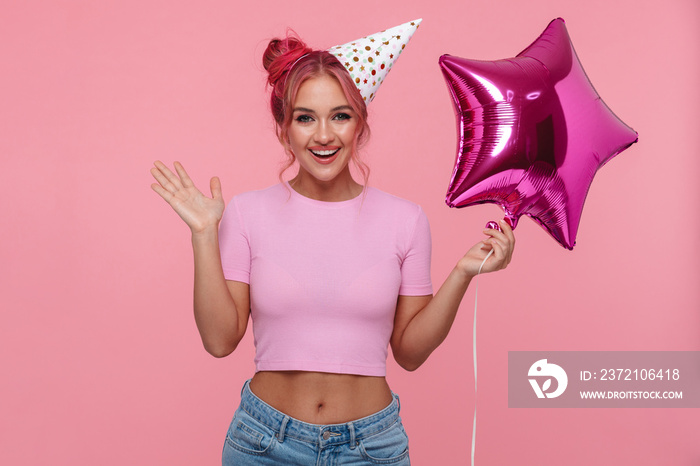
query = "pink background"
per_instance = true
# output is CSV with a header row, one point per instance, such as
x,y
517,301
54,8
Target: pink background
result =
x,y
101,360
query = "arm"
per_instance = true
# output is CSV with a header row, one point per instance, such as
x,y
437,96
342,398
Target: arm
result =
x,y
423,322
221,308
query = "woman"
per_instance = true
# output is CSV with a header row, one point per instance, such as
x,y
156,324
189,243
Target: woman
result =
x,y
335,271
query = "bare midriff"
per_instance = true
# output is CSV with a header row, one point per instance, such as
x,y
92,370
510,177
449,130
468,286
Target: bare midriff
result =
x,y
321,397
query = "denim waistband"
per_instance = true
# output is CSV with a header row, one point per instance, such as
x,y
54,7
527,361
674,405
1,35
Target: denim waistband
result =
x,y
330,434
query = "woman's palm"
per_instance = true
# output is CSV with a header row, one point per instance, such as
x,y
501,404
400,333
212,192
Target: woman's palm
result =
x,y
197,210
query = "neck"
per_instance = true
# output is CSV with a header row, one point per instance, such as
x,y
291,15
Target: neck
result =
x,y
341,188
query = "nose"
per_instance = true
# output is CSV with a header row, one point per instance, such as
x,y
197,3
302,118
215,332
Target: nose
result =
x,y
323,134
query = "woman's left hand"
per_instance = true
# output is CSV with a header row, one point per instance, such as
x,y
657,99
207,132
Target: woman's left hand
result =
x,y
502,242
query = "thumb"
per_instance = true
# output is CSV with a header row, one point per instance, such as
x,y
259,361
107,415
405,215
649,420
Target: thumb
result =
x,y
215,186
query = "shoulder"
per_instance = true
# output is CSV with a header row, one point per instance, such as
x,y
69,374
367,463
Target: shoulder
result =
x,y
391,213
270,195
389,203
401,220
250,207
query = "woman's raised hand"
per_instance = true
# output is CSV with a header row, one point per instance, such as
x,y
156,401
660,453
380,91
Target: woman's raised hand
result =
x,y
502,242
199,212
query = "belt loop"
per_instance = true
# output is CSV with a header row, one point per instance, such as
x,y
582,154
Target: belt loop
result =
x,y
353,442
283,427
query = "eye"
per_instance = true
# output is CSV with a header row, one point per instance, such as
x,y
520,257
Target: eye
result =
x,y
304,119
342,116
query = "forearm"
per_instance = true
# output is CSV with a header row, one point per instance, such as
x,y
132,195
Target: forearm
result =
x,y
214,307
429,327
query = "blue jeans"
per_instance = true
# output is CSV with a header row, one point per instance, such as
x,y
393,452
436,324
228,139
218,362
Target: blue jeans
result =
x,y
260,435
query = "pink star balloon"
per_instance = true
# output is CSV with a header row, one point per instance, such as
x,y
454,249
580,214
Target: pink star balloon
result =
x,y
533,132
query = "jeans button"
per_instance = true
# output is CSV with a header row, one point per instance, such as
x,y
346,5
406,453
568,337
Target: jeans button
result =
x,y
326,435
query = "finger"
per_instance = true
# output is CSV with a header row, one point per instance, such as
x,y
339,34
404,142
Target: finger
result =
x,y
498,256
495,234
509,252
165,194
505,245
160,178
502,243
169,175
184,177
164,182
507,230
215,186
486,246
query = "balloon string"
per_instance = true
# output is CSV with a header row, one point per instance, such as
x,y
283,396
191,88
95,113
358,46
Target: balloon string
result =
x,y
476,294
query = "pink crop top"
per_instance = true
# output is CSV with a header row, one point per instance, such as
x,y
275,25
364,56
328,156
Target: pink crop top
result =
x,y
325,276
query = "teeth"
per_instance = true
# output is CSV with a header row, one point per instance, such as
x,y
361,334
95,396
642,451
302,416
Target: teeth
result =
x,y
324,153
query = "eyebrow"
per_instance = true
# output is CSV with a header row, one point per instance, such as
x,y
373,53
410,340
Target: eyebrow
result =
x,y
335,109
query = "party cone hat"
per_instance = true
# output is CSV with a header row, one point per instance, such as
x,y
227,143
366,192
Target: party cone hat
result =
x,y
369,60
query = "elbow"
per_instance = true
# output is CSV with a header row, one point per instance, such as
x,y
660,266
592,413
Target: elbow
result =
x,y
410,367
409,358
409,364
220,344
219,354
220,350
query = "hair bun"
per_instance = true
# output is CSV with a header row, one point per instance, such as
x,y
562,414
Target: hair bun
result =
x,y
280,55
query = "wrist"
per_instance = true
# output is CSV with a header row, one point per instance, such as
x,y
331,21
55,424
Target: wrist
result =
x,y
208,232
463,272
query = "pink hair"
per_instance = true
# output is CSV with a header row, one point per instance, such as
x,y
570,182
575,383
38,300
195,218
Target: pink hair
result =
x,y
289,63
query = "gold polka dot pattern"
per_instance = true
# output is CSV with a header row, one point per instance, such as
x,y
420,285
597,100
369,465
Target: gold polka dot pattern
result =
x,y
369,59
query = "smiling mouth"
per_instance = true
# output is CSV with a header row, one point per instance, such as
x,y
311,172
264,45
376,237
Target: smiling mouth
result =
x,y
324,154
